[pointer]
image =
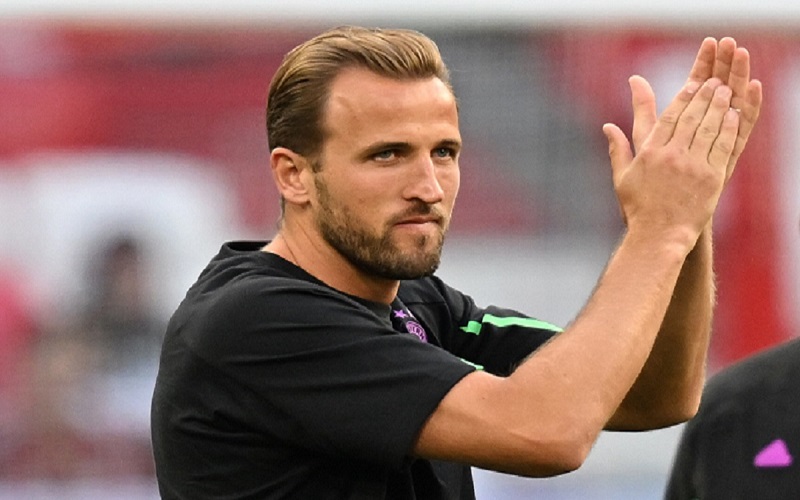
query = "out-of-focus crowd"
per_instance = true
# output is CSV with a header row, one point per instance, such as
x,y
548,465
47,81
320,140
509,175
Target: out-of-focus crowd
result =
x,y
75,388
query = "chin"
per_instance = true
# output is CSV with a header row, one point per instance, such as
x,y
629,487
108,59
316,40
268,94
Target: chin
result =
x,y
419,265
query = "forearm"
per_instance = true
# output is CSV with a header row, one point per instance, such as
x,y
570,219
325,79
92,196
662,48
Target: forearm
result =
x,y
607,345
669,388
544,418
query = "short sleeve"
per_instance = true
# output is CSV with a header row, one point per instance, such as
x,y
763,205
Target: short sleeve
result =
x,y
316,370
495,339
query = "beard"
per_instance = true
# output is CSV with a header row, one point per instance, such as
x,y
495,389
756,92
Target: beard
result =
x,y
376,253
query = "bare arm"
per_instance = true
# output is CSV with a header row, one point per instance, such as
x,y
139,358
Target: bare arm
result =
x,y
544,418
670,385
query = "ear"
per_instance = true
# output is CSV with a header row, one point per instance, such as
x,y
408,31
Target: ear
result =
x,y
288,172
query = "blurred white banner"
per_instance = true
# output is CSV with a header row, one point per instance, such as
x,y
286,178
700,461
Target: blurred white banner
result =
x,y
772,13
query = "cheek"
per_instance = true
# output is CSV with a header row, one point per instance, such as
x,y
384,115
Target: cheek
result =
x,y
364,204
367,207
450,181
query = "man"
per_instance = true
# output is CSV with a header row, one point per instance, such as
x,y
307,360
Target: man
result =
x,y
745,440
330,363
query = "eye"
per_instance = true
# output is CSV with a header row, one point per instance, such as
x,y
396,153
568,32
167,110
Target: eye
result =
x,y
385,155
444,152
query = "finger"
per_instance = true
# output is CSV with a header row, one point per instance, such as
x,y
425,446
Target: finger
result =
x,y
703,67
748,116
739,77
668,120
746,99
725,52
645,115
619,149
751,109
719,156
707,132
693,114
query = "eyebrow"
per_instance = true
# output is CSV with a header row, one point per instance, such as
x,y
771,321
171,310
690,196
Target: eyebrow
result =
x,y
384,145
405,146
451,143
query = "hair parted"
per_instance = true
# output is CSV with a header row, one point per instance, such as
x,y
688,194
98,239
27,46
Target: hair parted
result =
x,y
300,88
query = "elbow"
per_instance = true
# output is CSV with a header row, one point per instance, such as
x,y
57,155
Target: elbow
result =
x,y
685,403
570,459
575,450
664,420
576,435
685,412
644,412
566,454
666,415
680,410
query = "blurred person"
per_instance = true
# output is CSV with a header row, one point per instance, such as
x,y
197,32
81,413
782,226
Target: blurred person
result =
x,y
124,333
745,440
118,318
331,362
90,370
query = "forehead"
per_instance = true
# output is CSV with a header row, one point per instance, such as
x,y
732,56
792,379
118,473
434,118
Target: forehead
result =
x,y
361,102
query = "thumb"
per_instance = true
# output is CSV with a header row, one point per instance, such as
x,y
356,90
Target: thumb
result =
x,y
619,149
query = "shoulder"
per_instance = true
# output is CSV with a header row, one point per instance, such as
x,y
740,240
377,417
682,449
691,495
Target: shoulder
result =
x,y
751,382
745,408
241,271
763,372
245,296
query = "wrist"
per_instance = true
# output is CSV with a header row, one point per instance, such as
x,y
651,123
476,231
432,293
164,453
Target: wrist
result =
x,y
677,240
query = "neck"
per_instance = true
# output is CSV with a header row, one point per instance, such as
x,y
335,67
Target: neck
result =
x,y
320,260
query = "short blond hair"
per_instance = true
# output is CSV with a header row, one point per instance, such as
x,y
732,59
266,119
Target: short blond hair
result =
x,y
301,86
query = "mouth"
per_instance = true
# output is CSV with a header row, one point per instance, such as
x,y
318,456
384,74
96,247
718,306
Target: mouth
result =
x,y
424,220
419,220
423,224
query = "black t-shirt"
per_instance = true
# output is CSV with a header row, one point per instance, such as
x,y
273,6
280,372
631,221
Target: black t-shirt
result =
x,y
744,442
274,385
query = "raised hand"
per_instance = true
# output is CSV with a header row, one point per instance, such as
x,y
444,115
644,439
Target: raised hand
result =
x,y
675,180
731,65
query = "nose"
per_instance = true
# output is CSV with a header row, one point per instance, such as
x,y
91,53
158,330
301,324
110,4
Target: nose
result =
x,y
423,182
